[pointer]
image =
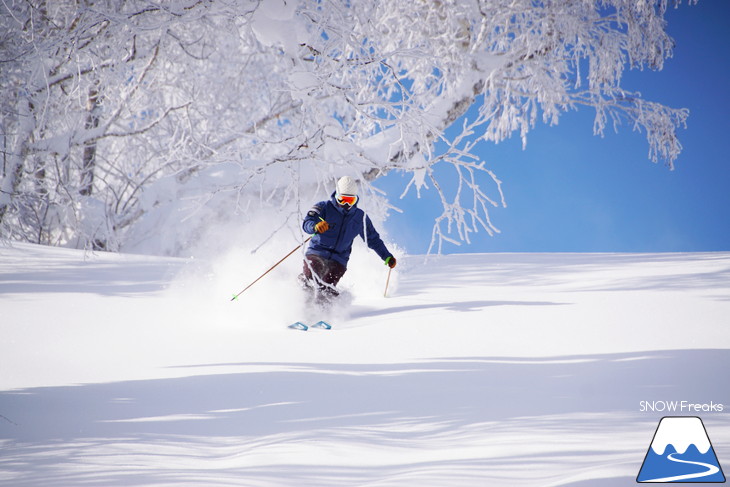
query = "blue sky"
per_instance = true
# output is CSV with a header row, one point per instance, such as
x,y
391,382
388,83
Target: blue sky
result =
x,y
571,191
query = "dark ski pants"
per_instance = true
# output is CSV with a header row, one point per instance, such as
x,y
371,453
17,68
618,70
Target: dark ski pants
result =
x,y
322,274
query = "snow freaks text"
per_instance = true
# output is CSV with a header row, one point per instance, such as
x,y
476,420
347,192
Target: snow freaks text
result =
x,y
680,407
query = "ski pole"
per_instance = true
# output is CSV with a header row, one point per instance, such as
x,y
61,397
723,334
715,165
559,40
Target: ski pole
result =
x,y
271,268
387,281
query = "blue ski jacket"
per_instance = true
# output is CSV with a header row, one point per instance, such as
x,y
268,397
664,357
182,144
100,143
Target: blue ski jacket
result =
x,y
344,226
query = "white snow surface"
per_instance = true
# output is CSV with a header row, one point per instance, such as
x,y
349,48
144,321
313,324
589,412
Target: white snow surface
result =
x,y
476,370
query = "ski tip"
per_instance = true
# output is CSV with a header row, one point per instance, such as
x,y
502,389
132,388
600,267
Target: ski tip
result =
x,y
323,325
298,326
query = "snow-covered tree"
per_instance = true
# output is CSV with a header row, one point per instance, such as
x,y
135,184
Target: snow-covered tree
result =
x,y
123,118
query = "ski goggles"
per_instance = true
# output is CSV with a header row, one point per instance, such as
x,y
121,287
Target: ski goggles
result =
x,y
346,199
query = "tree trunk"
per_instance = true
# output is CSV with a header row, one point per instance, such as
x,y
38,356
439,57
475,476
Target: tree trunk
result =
x,y
88,162
13,167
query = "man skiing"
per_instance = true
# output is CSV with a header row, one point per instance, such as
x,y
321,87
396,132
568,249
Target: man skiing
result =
x,y
335,223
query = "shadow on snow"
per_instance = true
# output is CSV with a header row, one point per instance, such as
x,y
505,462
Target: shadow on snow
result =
x,y
380,405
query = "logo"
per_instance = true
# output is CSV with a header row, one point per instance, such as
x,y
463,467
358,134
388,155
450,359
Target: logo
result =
x,y
681,452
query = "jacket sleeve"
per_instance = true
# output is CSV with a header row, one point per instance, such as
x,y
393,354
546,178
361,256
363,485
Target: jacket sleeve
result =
x,y
374,241
313,216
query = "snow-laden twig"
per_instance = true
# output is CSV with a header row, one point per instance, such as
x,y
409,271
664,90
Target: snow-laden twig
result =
x,y
210,109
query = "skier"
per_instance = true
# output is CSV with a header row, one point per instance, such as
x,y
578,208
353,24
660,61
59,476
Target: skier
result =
x,y
335,224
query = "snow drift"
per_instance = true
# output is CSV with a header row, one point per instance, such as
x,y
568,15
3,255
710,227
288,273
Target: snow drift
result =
x,y
501,369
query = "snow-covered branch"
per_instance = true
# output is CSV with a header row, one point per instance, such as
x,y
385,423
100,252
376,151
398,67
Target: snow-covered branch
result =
x,y
179,114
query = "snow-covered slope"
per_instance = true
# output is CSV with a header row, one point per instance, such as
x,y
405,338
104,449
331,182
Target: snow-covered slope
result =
x,y
495,369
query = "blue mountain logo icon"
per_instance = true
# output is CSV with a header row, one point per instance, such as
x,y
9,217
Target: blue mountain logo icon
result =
x,y
681,452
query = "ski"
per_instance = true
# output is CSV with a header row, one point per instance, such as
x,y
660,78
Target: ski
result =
x,y
320,325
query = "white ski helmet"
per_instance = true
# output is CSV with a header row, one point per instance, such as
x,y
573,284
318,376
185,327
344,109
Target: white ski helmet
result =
x,y
346,185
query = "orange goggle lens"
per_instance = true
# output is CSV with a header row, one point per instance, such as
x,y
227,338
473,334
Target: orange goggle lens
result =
x,y
346,199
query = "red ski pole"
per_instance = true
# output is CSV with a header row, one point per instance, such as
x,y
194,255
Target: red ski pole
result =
x,y
387,281
271,268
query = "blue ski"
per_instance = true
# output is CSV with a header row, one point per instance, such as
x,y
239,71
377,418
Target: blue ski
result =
x,y
320,325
